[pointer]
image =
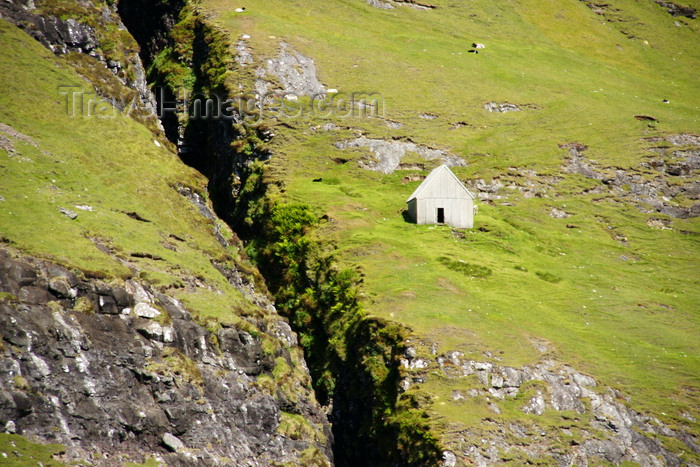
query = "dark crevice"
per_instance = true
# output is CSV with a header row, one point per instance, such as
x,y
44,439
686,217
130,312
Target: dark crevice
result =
x,y
203,143
150,23
360,384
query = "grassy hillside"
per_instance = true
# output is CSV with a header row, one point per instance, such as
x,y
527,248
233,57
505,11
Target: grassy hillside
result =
x,y
133,220
608,290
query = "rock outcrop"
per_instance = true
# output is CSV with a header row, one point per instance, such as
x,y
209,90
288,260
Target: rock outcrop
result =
x,y
611,430
117,371
295,71
667,183
387,155
99,34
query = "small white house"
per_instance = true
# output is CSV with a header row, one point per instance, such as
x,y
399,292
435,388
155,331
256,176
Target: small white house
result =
x,y
442,199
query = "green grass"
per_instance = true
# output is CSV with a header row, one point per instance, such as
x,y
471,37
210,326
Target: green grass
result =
x,y
632,323
532,56
19,452
113,165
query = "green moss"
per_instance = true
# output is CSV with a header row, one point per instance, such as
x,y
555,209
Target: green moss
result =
x,y
179,66
312,456
296,427
270,346
321,302
84,305
66,9
149,462
174,362
7,296
21,383
266,383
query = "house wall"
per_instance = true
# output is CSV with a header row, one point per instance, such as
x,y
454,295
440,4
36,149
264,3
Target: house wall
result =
x,y
458,212
444,192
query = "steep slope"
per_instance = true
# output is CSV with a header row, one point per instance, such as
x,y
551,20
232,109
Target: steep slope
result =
x,y
580,140
133,326
548,334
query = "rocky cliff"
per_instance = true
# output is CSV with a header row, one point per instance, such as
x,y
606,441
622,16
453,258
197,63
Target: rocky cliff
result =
x,y
117,346
116,372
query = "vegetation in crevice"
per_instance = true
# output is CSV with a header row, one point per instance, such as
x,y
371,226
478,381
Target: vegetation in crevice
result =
x,y
133,222
190,75
353,358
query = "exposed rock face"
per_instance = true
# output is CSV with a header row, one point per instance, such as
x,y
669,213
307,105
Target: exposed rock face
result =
x,y
487,191
388,154
668,177
389,5
381,5
244,56
8,137
502,108
62,36
558,213
615,433
295,71
82,364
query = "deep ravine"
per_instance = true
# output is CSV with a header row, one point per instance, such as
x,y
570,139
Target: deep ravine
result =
x,y
354,360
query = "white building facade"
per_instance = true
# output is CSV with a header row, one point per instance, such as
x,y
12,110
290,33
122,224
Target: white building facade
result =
x,y
442,199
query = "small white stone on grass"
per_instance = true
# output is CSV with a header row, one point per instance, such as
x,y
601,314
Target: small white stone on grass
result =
x,y
168,334
68,213
10,427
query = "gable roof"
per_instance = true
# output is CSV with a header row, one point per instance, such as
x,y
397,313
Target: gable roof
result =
x,y
431,178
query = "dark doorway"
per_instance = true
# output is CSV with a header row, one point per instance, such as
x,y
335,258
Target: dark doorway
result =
x,y
440,215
